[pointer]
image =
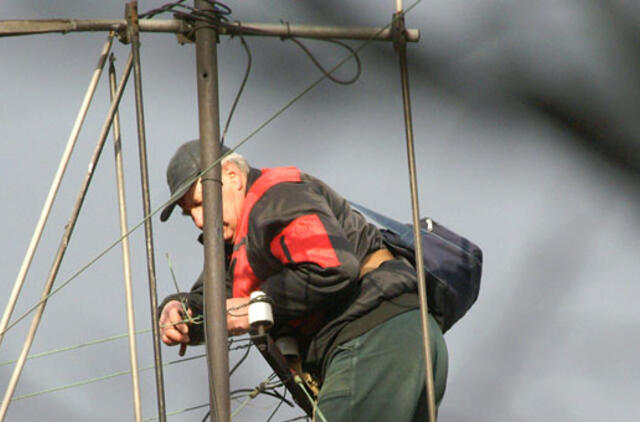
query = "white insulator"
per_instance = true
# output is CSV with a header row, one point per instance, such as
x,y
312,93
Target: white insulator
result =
x,y
260,313
288,347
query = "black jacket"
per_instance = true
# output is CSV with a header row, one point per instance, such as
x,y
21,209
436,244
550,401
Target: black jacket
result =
x,y
304,245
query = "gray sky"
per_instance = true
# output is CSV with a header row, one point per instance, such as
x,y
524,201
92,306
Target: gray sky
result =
x,y
527,136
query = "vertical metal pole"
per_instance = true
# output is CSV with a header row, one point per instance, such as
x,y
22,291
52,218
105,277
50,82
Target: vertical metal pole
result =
x,y
53,190
401,46
214,286
63,243
126,264
134,38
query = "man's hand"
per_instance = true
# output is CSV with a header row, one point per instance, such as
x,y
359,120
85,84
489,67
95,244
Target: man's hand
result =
x,y
172,330
238,315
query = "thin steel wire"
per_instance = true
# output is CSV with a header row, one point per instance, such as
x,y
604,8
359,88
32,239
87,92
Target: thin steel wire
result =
x,y
316,409
246,343
177,412
101,378
76,346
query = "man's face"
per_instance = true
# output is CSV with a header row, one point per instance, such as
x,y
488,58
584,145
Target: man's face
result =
x,y
232,201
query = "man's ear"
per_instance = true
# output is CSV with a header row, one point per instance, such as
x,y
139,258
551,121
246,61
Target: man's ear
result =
x,y
233,175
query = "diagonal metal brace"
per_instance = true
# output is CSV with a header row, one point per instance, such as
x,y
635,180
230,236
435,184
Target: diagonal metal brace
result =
x,y
271,353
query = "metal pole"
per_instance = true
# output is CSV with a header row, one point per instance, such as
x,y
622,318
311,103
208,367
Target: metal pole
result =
x,y
134,38
315,31
26,27
214,285
43,26
53,190
64,242
401,47
126,264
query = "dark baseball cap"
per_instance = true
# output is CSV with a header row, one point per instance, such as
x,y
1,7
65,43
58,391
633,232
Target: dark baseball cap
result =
x,y
184,166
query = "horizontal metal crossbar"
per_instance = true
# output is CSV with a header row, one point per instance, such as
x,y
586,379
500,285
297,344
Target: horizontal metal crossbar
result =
x,y
42,26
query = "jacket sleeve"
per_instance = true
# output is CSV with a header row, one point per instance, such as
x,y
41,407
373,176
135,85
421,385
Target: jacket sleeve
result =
x,y
316,267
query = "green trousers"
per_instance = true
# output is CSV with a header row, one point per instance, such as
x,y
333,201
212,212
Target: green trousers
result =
x,y
380,376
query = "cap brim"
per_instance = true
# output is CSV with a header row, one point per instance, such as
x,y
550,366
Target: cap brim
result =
x,y
166,212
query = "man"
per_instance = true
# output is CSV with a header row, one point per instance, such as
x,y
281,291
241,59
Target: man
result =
x,y
350,304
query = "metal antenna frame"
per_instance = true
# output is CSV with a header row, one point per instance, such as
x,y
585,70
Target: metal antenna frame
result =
x,y
126,262
400,45
133,36
64,242
207,78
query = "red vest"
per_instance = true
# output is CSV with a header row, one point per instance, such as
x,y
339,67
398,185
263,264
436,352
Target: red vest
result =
x,y
245,280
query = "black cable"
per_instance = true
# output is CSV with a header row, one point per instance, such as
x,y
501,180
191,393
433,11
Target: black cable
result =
x,y
162,9
322,69
219,12
278,406
246,342
296,419
214,19
249,30
251,390
242,359
242,85
217,19
206,415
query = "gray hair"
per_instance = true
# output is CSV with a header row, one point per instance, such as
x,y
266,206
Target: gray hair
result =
x,y
238,160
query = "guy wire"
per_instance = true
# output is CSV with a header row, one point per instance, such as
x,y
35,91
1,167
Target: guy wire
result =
x,y
102,378
314,404
177,412
196,320
259,389
76,347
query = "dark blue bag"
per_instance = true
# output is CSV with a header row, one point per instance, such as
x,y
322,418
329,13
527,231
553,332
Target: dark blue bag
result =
x,y
453,264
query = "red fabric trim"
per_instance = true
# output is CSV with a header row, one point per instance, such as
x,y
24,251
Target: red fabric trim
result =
x,y
269,178
306,240
307,325
245,280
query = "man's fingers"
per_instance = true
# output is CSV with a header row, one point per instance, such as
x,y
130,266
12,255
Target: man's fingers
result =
x,y
173,336
176,316
173,329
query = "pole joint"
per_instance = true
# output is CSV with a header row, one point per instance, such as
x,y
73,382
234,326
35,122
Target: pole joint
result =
x,y
399,34
132,29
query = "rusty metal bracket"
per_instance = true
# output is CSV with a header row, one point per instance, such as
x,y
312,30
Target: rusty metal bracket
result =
x,y
399,34
280,366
